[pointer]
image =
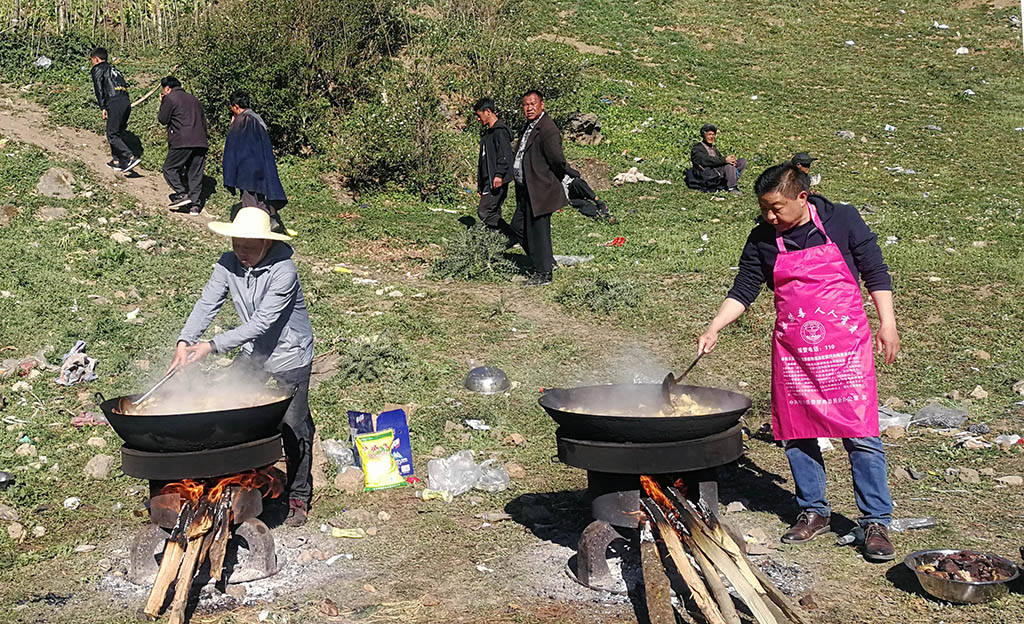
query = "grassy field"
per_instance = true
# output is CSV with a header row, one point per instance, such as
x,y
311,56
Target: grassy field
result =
x,y
653,73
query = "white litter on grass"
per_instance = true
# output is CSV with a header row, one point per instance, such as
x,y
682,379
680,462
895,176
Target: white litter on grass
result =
x,y
72,502
483,568
753,97
940,26
968,91
935,128
448,210
934,279
891,240
890,128
42,62
477,424
131,316
899,169
962,51
365,281
335,558
850,43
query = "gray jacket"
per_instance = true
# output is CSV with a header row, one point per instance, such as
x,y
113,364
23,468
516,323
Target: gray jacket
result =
x,y
275,329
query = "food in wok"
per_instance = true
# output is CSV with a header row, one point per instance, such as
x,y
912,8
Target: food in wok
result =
x,y
682,405
161,404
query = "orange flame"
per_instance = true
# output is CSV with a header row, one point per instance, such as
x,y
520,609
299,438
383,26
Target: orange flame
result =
x,y
195,491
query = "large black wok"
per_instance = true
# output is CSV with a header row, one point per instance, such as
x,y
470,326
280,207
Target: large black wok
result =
x,y
194,432
586,413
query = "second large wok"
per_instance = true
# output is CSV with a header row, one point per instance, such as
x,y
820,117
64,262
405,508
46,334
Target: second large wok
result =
x,y
593,412
197,431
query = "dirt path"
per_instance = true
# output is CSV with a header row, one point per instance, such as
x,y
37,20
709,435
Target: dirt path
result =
x,y
29,123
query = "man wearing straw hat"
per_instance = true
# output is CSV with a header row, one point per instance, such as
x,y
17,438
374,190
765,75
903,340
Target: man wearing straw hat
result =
x,y
275,334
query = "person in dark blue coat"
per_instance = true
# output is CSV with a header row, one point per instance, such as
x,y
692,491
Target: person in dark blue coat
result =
x,y
249,164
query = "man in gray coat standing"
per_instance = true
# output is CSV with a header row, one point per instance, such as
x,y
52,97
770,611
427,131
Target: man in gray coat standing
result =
x,y
275,337
187,143
538,168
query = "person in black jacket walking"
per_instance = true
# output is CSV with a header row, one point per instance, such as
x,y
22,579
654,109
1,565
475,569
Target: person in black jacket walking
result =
x,y
492,167
112,97
187,143
711,171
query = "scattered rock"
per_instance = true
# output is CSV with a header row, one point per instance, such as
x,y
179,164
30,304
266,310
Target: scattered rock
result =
x,y
72,502
84,548
981,355
15,531
96,441
916,475
146,245
8,514
735,507
895,402
99,467
894,433
515,439
584,129
237,592
1018,387
57,183
901,474
327,607
756,549
51,213
439,451
26,449
121,238
968,475
758,534
516,471
383,516
350,480
1013,480
979,393
39,530
371,531
987,472
21,386
8,214
807,602
450,426
305,557
979,429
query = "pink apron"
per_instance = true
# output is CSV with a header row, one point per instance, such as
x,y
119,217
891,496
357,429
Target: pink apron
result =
x,y
823,369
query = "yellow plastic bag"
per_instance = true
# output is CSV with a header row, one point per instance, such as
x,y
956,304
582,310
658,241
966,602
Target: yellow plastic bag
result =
x,y
381,471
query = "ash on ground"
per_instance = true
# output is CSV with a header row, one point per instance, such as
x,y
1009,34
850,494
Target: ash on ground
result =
x,y
306,561
790,579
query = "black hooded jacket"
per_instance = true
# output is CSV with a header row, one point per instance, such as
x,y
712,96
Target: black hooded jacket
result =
x,y
495,157
107,83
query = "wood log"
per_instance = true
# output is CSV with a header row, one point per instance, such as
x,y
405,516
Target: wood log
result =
x,y
722,596
750,593
189,564
674,546
168,571
153,90
657,589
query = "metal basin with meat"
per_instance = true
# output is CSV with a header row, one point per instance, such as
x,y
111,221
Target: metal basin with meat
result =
x,y
630,412
196,431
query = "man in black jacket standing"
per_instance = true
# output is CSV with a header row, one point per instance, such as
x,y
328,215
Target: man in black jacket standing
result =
x,y
112,97
711,171
186,125
538,168
492,167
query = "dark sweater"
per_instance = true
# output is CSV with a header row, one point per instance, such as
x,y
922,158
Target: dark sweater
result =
x,y
183,115
846,228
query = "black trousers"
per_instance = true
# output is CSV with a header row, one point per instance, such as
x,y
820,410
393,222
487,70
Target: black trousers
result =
x,y
534,232
297,431
119,108
489,212
183,170
259,200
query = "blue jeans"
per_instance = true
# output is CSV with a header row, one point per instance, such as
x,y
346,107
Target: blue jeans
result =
x,y
867,463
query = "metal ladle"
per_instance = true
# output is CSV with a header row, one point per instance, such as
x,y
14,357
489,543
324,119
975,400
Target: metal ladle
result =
x,y
156,387
671,380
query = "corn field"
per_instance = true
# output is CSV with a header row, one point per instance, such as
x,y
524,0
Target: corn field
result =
x,y
128,22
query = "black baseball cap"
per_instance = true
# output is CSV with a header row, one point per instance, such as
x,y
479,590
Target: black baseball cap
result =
x,y
802,158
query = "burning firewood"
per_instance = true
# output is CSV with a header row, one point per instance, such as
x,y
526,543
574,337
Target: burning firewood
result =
x,y
201,532
680,524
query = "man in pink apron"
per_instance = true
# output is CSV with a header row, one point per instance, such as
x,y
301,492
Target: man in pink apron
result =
x,y
811,253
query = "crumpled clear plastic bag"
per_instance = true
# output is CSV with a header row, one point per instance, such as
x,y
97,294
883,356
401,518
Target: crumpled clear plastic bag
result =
x,y
456,474
492,478
339,453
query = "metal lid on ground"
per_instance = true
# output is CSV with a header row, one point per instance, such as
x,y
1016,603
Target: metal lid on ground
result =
x,y
486,380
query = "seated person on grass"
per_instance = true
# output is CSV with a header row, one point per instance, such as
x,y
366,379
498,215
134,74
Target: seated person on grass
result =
x,y
711,171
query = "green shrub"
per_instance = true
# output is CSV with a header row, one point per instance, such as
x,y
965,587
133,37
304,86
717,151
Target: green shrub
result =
x,y
370,358
601,294
398,139
475,254
300,61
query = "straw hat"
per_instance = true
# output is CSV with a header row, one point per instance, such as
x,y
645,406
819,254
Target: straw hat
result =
x,y
248,223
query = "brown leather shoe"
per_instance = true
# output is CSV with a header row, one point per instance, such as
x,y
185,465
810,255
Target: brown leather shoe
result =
x,y
877,546
809,525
